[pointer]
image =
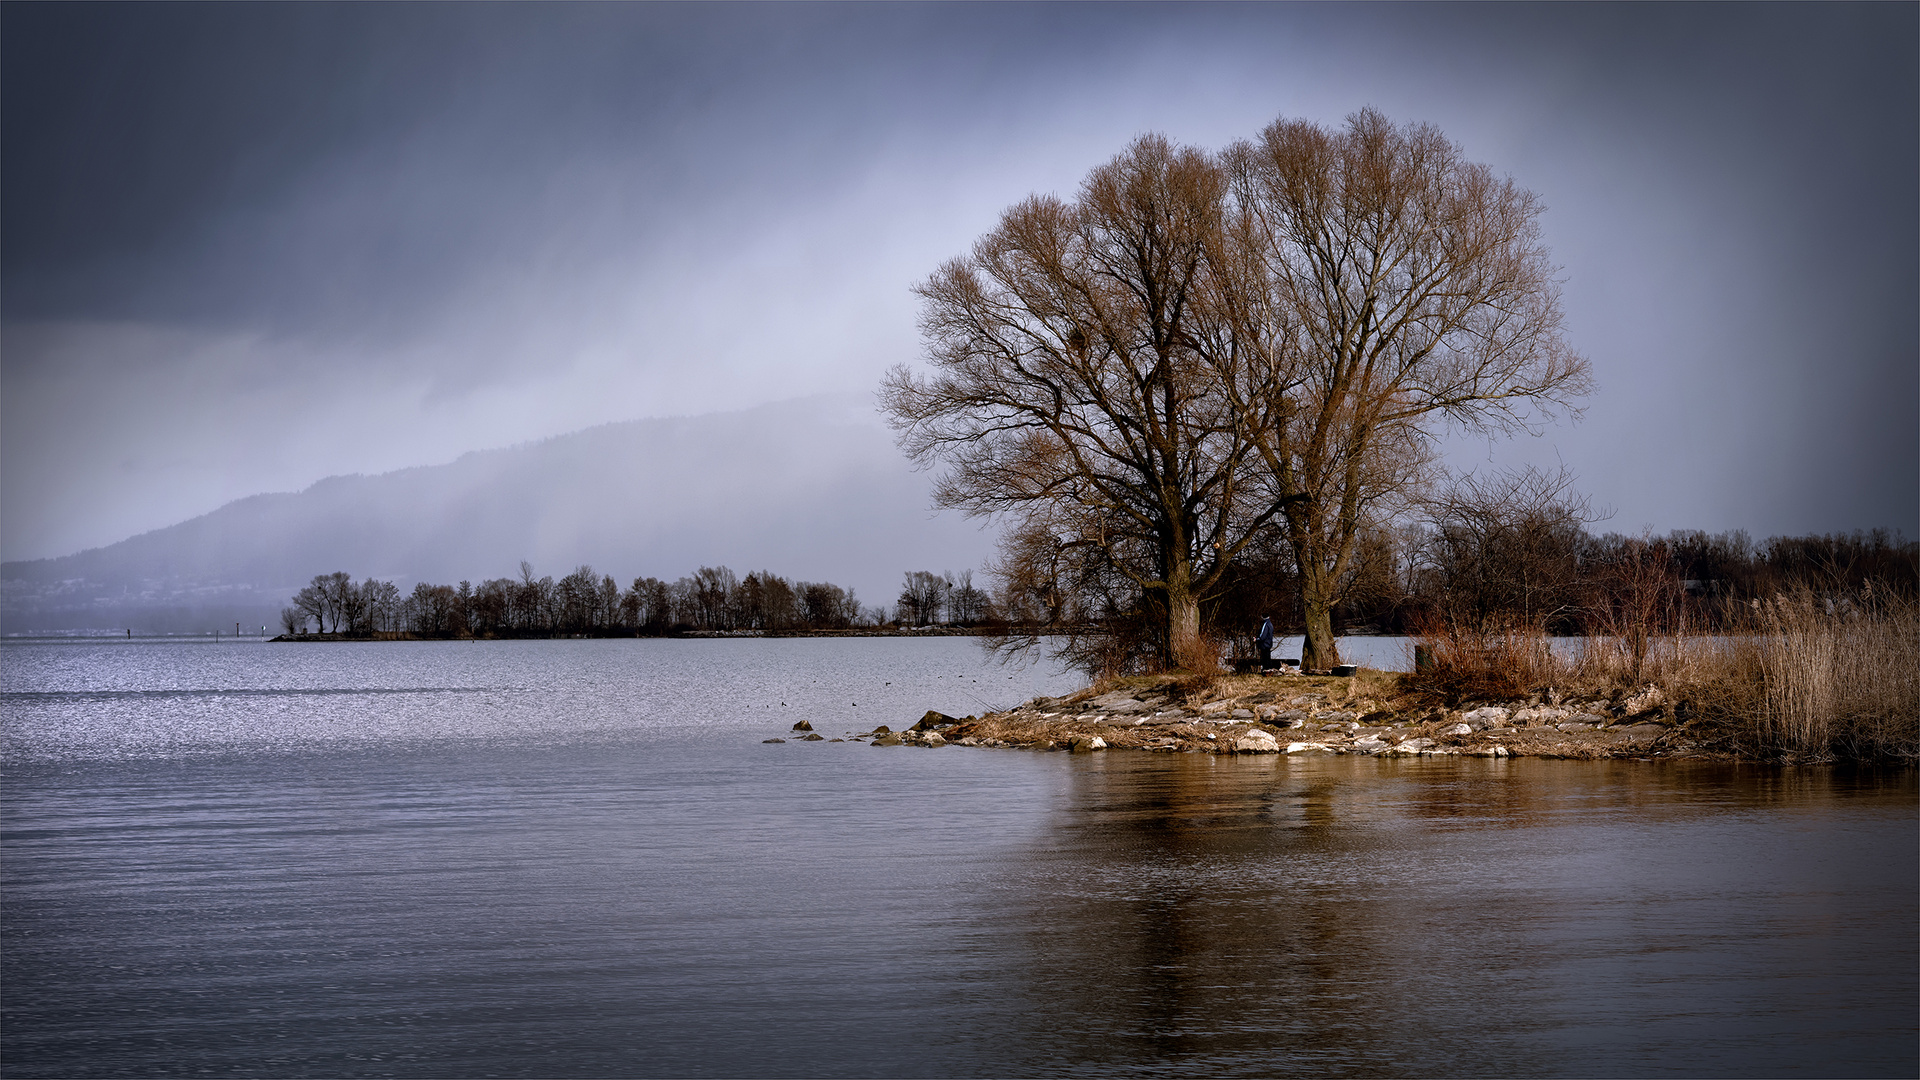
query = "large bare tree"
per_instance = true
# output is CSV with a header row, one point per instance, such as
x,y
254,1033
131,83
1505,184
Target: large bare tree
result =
x,y
1070,390
1407,289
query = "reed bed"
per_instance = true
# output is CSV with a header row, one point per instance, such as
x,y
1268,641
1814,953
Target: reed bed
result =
x,y
1806,677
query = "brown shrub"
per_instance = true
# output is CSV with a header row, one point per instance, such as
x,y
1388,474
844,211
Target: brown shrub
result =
x,y
1505,662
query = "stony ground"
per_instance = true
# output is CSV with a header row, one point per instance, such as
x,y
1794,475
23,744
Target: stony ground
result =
x,y
1299,714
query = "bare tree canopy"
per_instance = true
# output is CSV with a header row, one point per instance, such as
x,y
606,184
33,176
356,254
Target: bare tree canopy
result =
x,y
1200,348
1506,545
1413,291
1069,389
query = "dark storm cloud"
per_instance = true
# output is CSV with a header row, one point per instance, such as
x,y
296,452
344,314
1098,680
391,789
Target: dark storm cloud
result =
x,y
405,231
147,140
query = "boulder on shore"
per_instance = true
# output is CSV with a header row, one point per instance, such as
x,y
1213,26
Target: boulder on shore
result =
x,y
1256,742
1490,716
803,726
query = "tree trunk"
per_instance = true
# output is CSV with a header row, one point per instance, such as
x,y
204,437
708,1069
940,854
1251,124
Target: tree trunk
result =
x,y
1318,652
1185,647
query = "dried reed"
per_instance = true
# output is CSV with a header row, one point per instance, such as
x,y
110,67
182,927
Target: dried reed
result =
x,y
1809,678
1838,677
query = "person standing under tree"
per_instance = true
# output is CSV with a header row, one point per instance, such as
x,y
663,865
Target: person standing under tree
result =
x,y
1265,642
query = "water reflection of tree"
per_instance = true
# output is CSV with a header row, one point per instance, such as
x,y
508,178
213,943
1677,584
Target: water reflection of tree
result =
x,y
1236,915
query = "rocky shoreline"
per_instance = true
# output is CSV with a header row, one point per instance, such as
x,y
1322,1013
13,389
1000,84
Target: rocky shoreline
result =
x,y
1302,714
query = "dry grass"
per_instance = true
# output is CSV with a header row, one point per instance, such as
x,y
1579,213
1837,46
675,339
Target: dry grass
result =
x,y
1809,678
1836,679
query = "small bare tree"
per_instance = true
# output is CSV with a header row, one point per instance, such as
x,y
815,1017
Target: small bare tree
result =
x,y
381,603
923,595
312,602
1505,548
1639,596
966,604
711,595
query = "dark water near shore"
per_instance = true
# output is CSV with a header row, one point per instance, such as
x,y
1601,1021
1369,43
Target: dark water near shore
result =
x,y
578,859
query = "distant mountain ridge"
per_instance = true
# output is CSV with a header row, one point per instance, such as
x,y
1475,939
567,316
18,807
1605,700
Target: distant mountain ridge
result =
x,y
811,488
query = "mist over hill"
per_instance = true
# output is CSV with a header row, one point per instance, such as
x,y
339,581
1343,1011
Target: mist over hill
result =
x,y
811,488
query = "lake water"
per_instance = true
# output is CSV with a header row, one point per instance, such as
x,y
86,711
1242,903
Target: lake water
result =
x,y
577,858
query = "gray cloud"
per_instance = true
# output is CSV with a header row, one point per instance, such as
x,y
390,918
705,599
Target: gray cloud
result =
x,y
243,247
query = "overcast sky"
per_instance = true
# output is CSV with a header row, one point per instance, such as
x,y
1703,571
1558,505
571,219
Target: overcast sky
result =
x,y
248,246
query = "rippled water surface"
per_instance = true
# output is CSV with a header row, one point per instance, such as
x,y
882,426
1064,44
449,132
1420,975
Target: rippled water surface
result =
x,y
579,859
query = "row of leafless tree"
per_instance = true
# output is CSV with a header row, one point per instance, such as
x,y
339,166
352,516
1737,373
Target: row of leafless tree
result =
x,y
590,603
1486,554
582,602
1513,551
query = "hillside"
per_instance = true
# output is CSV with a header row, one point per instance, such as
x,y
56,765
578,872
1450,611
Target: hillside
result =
x,y
811,489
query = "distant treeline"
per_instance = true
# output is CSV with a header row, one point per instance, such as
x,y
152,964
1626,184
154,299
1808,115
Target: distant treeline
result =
x,y
586,602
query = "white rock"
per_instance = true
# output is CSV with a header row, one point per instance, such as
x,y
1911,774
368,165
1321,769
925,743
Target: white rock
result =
x,y
1256,742
1460,729
1308,748
1372,744
1486,717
